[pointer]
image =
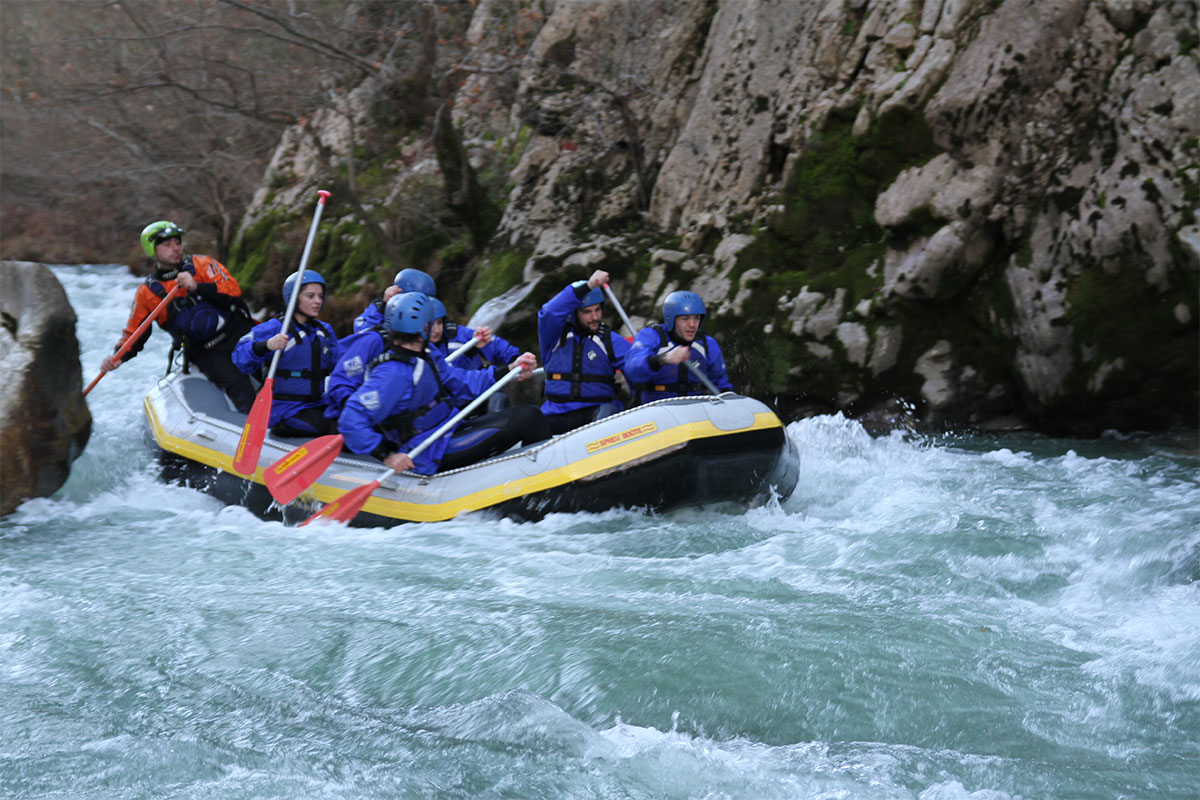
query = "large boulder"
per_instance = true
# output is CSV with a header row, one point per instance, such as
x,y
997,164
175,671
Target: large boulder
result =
x,y
44,420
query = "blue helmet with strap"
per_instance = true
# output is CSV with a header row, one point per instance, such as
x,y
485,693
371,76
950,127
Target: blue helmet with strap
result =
x,y
414,280
593,297
409,312
309,276
439,310
679,304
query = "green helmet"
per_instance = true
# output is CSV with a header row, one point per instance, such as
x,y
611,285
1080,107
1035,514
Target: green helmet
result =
x,y
157,232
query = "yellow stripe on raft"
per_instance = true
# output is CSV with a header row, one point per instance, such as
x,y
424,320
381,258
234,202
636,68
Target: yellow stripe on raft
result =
x,y
435,512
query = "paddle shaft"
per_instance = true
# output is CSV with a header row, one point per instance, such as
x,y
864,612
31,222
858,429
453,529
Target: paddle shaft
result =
x,y
700,376
462,350
347,506
254,431
461,415
291,307
133,337
617,305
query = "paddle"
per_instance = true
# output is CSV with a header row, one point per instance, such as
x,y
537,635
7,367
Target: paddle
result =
x,y
133,337
460,351
617,305
700,376
346,507
299,469
245,458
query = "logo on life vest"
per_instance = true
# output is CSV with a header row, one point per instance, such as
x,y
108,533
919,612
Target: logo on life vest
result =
x,y
591,355
353,366
370,400
623,436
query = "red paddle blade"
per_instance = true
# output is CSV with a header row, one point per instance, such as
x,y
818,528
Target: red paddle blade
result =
x,y
346,507
299,469
245,459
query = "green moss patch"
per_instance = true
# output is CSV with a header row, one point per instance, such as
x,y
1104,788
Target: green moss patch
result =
x,y
499,272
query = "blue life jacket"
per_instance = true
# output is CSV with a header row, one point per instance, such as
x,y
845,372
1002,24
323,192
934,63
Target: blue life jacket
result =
x,y
405,397
355,352
672,380
580,367
303,365
199,322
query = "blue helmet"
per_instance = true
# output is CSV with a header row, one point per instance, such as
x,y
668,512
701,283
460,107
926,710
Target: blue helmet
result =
x,y
593,296
409,312
414,280
309,276
681,304
439,310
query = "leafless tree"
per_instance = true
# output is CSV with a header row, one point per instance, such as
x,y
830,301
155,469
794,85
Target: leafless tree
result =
x,y
116,113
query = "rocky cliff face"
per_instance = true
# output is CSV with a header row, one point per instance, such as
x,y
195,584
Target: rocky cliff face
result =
x,y
975,212
44,420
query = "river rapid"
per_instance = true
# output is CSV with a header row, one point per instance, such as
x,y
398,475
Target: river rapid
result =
x,y
966,616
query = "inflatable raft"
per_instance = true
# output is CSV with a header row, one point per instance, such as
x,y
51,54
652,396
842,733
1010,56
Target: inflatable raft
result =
x,y
664,455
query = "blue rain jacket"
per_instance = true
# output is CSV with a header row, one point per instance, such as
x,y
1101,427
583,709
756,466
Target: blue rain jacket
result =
x,y
303,364
580,369
651,380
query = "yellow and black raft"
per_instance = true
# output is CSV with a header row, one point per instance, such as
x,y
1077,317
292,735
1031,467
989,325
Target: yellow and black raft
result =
x,y
668,454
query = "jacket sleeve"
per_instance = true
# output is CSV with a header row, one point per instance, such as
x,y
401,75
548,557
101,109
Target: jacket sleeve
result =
x,y
716,366
211,271
388,389
463,384
554,316
621,348
500,351
369,318
637,366
144,303
355,352
335,346
249,355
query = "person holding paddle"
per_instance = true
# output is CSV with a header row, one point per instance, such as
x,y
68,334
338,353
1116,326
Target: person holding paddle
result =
x,y
409,392
448,338
581,354
206,314
657,365
407,280
297,408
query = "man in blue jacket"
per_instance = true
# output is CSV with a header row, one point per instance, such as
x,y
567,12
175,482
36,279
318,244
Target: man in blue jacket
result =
x,y
297,408
656,364
407,280
359,349
581,355
410,392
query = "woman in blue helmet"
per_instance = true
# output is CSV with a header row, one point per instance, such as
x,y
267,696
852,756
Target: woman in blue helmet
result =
x,y
655,365
409,392
407,280
581,355
309,349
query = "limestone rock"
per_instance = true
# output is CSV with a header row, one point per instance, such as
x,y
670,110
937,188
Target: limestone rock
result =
x,y
44,420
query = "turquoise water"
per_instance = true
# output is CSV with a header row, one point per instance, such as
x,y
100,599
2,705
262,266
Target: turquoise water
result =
x,y
932,618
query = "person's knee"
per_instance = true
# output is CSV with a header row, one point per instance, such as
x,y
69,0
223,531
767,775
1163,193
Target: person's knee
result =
x,y
497,402
605,410
531,422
